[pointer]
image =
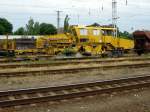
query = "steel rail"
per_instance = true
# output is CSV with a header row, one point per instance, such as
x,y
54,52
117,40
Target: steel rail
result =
x,y
59,63
72,70
21,59
107,86
56,88
54,58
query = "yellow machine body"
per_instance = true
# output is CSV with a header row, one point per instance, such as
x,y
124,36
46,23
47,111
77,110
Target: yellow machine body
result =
x,y
7,44
90,40
53,44
84,39
93,38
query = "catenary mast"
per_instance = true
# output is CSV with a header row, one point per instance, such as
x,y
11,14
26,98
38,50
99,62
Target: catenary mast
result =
x,y
114,16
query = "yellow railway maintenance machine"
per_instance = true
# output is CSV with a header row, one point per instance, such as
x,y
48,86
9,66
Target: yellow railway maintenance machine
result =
x,y
86,40
79,39
100,40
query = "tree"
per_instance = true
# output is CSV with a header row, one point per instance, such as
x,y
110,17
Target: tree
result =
x,y
47,29
33,28
36,28
20,31
30,27
66,24
2,30
5,26
125,34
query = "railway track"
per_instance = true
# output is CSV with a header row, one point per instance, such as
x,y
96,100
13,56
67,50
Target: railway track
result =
x,y
58,63
22,59
72,70
63,92
36,58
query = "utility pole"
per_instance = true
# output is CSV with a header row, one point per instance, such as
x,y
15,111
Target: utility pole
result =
x,y
58,20
114,17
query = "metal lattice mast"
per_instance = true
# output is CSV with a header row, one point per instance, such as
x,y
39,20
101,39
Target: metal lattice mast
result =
x,y
114,16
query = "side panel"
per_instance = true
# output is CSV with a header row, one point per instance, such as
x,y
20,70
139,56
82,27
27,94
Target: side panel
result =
x,y
126,43
119,42
53,44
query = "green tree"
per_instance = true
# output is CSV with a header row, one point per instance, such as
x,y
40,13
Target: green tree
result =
x,y
47,29
125,34
5,26
36,28
33,28
30,27
66,24
2,30
20,31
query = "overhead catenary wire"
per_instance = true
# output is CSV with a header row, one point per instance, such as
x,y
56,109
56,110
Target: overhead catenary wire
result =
x,y
73,10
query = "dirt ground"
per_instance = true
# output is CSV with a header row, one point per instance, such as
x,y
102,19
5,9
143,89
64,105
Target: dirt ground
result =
x,y
59,79
133,101
21,69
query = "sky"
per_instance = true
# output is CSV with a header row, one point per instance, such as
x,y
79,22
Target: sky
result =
x,y
135,15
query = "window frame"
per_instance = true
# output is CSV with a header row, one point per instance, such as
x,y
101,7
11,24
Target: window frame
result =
x,y
83,31
96,32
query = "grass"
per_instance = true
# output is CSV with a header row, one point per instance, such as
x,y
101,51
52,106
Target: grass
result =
x,y
49,61
22,69
53,80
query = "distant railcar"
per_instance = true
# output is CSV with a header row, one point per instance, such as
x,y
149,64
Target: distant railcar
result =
x,y
142,41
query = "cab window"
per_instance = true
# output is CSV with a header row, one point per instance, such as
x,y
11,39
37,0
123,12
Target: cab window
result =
x,y
83,31
107,32
96,32
84,40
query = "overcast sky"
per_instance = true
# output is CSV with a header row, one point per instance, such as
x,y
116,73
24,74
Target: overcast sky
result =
x,y
135,15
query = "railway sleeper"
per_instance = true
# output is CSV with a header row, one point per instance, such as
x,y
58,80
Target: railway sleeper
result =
x,y
71,95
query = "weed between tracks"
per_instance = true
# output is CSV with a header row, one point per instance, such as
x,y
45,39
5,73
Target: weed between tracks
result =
x,y
22,69
58,79
96,104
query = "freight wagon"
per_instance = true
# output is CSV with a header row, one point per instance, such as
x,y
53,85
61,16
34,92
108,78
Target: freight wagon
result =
x,y
142,41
